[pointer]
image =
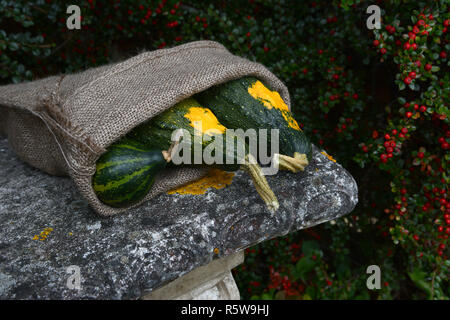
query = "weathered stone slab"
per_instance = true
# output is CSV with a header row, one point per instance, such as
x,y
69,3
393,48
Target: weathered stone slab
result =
x,y
124,256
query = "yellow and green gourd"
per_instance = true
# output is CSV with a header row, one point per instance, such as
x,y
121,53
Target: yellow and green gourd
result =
x,y
247,103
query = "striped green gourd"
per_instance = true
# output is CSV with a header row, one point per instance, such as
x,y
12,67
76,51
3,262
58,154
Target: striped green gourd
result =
x,y
126,172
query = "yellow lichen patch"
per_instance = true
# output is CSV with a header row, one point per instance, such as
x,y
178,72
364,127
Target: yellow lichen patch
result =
x,y
215,178
203,120
43,235
328,156
272,99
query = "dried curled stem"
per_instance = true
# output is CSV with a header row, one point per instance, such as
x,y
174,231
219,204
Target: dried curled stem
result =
x,y
167,154
259,180
294,164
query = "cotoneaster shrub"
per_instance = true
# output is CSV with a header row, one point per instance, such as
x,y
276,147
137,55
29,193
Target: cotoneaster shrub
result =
x,y
376,100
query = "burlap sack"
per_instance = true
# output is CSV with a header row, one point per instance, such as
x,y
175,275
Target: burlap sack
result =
x,y
62,124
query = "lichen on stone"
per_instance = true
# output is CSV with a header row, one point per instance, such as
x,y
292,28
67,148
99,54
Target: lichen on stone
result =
x,y
215,178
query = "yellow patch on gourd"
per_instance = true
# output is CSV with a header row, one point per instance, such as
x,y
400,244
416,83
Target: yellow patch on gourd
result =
x,y
215,178
272,99
203,120
328,156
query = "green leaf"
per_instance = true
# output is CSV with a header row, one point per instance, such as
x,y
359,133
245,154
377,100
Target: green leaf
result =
x,y
304,266
309,247
13,46
418,277
434,69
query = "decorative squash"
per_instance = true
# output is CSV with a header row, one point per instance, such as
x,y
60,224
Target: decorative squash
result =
x,y
157,133
125,174
247,103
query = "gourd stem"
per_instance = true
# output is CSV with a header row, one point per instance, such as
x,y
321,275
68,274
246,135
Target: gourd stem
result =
x,y
259,180
167,154
294,164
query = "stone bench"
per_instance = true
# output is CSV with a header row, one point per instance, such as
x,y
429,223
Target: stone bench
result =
x,y
174,247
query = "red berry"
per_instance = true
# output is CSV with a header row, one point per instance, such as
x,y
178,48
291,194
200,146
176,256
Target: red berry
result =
x,y
420,155
447,23
394,131
418,63
387,137
414,46
416,237
416,106
404,130
383,50
423,108
443,54
376,43
407,80
409,114
428,67
412,75
421,22
406,46
383,157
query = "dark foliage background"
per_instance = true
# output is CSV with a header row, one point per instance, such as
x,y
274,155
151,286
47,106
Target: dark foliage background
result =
x,y
376,100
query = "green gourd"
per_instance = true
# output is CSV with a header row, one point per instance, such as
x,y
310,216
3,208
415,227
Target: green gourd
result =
x,y
126,172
